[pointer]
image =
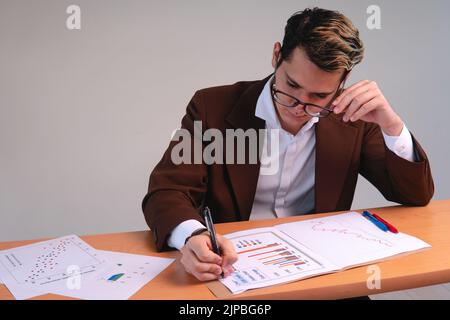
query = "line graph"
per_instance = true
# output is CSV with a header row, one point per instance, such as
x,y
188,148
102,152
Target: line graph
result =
x,y
322,226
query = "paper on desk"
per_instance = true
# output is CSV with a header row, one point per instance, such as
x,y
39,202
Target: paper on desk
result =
x,y
124,275
69,266
349,239
268,257
298,250
30,270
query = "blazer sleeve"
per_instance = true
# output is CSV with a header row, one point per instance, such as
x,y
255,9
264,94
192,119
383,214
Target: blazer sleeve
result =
x,y
176,192
399,180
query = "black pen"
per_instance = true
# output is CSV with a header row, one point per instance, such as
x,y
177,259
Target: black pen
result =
x,y
212,232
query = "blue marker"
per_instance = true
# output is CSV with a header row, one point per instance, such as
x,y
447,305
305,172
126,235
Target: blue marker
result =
x,y
116,277
375,221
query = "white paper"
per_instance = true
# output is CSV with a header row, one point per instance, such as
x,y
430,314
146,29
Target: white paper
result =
x,y
268,257
132,273
31,270
69,266
298,250
349,239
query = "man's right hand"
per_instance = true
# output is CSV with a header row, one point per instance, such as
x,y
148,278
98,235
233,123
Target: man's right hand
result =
x,y
199,260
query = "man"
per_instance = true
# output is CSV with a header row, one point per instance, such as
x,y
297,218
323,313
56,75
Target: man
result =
x,y
328,136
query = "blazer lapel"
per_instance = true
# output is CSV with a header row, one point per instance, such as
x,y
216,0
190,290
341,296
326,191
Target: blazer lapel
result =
x,y
244,177
335,142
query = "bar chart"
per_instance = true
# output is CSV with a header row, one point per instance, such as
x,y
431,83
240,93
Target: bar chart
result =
x,y
265,257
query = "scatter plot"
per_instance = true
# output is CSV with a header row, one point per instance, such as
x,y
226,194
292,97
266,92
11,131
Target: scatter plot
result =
x,y
48,261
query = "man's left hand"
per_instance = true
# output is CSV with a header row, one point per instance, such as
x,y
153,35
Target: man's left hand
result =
x,y
365,101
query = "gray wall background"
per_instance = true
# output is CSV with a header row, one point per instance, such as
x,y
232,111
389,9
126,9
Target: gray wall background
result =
x,y
85,115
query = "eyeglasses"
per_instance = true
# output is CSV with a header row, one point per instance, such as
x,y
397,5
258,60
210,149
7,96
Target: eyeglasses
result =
x,y
311,109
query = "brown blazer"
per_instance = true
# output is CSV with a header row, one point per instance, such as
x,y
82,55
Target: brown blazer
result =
x,y
343,150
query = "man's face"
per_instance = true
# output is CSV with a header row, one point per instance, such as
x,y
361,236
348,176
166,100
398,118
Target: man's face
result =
x,y
302,79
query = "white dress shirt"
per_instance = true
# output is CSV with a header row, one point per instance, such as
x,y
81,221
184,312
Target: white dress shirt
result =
x,y
290,189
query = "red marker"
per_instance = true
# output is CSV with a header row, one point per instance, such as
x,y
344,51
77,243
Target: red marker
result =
x,y
390,226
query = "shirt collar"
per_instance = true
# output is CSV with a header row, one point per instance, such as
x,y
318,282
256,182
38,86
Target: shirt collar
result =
x,y
265,110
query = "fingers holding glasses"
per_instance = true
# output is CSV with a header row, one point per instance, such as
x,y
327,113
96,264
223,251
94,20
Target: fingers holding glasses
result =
x,y
349,94
365,101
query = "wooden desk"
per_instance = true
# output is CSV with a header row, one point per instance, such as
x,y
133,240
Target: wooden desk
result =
x,y
430,223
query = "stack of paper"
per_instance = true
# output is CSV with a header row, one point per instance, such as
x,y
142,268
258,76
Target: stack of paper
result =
x,y
69,266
